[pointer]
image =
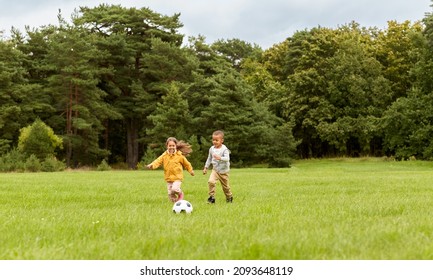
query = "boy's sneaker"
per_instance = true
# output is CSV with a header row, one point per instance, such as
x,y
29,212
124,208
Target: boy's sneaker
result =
x,y
211,200
229,200
180,197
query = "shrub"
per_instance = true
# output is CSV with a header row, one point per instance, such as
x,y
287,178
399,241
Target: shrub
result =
x,y
52,164
33,164
38,139
104,166
4,146
12,161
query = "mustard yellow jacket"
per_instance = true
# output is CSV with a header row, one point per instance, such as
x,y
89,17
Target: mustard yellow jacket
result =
x,y
173,165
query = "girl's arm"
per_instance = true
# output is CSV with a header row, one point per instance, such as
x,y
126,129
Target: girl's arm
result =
x,y
187,165
157,162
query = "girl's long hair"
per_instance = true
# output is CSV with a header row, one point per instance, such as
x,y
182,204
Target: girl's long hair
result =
x,y
181,145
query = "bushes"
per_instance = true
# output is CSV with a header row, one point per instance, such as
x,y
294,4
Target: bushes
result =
x,y
33,164
14,161
35,151
52,164
104,166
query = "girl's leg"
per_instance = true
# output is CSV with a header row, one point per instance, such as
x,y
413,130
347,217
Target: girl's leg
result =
x,y
171,195
176,190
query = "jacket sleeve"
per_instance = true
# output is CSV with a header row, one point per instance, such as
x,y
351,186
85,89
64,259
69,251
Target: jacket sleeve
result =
x,y
157,162
187,165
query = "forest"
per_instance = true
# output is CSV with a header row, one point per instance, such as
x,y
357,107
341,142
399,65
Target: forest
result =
x,y
113,83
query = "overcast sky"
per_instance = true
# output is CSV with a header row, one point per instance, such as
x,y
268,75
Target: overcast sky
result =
x,y
264,22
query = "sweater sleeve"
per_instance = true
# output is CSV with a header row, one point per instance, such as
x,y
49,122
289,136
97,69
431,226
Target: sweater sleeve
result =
x,y
209,159
225,155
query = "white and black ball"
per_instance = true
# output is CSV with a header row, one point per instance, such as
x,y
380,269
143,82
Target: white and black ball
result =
x,y
182,206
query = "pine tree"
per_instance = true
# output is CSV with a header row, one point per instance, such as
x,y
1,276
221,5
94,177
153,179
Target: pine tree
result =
x,y
76,63
133,88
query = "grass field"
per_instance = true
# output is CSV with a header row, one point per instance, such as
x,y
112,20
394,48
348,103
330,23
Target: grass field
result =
x,y
318,209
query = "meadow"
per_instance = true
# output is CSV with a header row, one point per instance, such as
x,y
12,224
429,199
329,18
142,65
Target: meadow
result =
x,y
356,209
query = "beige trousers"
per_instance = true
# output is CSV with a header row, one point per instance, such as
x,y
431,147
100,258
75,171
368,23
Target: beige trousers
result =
x,y
224,180
174,190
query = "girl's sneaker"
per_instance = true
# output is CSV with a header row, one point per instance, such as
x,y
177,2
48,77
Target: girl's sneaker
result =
x,y
211,200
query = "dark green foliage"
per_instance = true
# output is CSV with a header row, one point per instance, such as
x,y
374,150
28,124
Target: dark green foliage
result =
x,y
19,100
4,146
280,147
199,153
12,161
149,155
220,99
143,50
116,82
237,51
171,118
408,126
336,89
408,123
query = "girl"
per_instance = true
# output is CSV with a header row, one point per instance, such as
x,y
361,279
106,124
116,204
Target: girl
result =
x,y
174,161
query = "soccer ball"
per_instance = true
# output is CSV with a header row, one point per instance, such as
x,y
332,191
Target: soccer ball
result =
x,y
182,206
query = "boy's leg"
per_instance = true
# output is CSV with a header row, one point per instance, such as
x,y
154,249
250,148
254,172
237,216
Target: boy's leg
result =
x,y
212,183
224,179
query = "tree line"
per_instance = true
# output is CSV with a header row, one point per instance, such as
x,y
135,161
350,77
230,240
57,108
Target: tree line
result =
x,y
115,82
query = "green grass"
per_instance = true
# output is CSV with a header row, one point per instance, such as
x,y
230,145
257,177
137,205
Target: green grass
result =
x,y
318,209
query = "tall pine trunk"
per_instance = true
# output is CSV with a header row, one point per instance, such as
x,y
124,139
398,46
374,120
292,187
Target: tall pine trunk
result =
x,y
132,143
69,111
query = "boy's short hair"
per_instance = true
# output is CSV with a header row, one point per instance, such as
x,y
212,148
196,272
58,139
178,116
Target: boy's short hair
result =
x,y
218,133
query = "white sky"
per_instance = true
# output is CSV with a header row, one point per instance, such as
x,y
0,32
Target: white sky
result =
x,y
264,22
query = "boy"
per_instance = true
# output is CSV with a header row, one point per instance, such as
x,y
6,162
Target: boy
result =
x,y
219,157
